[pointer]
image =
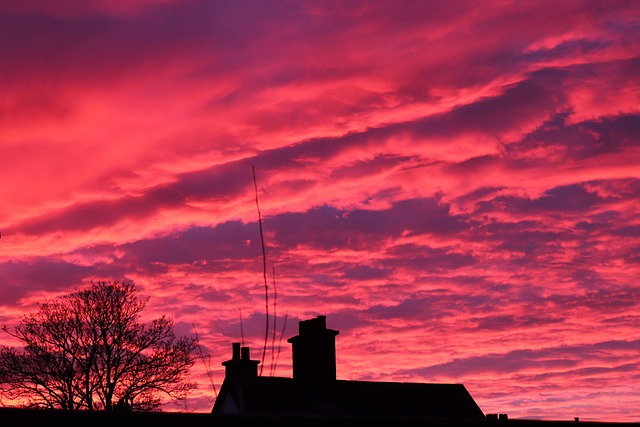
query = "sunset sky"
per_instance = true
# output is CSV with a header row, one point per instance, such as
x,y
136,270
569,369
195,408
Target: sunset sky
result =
x,y
454,184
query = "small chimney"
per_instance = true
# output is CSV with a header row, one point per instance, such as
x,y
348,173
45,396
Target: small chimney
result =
x,y
314,351
240,366
235,350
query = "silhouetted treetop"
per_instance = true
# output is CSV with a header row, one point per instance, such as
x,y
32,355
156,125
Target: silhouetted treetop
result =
x,y
87,350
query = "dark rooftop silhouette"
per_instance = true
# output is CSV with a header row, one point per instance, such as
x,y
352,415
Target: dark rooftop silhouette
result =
x,y
314,390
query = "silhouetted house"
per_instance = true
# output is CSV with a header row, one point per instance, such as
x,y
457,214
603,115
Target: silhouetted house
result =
x,y
315,391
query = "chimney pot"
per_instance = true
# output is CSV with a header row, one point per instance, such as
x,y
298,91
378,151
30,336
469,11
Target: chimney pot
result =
x,y
235,350
245,353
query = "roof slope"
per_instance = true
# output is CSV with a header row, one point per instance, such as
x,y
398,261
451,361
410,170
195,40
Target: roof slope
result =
x,y
276,395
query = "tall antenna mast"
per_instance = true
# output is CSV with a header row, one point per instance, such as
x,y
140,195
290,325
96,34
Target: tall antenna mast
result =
x,y
264,274
241,328
275,320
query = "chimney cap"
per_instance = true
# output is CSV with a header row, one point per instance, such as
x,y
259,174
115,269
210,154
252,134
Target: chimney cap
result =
x,y
312,327
317,324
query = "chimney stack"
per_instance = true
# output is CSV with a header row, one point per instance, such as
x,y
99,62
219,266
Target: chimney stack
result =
x,y
314,351
240,366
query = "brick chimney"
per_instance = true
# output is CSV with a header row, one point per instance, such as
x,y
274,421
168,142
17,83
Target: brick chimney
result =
x,y
314,351
240,366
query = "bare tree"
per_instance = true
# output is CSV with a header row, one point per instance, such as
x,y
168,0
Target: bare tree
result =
x,y
87,350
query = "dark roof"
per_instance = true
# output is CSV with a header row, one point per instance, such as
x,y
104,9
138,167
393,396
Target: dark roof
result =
x,y
286,396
